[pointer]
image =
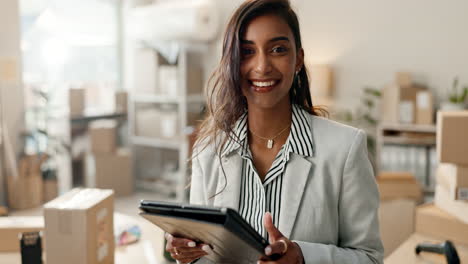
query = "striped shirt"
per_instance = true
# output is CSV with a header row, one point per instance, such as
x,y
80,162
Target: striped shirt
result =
x,y
257,197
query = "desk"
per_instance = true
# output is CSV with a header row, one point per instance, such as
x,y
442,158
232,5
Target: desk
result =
x,y
405,252
149,250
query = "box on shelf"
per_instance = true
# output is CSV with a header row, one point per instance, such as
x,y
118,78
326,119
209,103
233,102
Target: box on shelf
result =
x,y
168,84
76,100
433,221
424,108
114,171
12,226
50,189
394,185
454,179
443,200
452,143
403,79
79,227
399,103
121,102
405,209
103,136
158,122
26,189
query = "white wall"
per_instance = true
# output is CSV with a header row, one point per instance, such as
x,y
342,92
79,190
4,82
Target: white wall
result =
x,y
367,41
12,103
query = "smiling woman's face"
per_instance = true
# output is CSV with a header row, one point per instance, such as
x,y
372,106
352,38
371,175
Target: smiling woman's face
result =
x,y
269,62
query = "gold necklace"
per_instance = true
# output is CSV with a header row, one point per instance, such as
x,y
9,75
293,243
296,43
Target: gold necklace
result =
x,y
270,141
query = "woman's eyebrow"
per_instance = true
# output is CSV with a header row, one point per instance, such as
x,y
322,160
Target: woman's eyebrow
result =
x,y
245,41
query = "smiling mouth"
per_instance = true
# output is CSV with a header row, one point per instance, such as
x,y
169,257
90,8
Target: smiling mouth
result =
x,y
263,86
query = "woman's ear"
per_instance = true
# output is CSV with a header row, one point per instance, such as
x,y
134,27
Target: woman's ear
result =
x,y
299,59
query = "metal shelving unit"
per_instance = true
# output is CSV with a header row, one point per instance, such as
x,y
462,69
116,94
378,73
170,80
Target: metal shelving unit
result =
x,y
179,142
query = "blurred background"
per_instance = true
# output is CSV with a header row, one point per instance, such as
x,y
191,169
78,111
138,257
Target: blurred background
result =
x,y
109,94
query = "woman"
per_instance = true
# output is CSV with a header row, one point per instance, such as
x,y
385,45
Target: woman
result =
x,y
303,181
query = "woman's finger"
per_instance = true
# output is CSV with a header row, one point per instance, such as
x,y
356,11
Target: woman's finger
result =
x,y
180,242
279,247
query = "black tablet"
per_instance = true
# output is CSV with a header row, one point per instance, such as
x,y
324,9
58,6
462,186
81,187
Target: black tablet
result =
x,y
233,240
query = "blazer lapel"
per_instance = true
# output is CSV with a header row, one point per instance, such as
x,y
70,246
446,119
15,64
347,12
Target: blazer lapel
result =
x,y
294,181
229,197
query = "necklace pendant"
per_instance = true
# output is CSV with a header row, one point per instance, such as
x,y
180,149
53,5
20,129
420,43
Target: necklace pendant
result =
x,y
270,144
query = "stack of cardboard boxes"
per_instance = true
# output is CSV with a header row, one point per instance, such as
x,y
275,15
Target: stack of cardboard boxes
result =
x,y
447,218
406,102
399,194
113,165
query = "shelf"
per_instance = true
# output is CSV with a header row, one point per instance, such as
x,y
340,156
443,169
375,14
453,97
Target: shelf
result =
x,y
174,143
152,98
399,140
93,117
409,128
156,185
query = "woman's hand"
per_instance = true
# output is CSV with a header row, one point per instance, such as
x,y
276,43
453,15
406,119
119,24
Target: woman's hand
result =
x,y
185,250
289,252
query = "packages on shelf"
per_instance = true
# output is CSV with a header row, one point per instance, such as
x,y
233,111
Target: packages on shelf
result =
x,y
424,108
452,143
103,136
76,100
405,209
394,185
12,226
454,179
79,227
114,171
433,221
399,103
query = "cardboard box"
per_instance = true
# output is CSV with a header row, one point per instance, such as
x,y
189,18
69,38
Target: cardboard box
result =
x,y
398,103
26,190
458,209
395,185
433,221
405,209
168,84
145,73
121,102
76,101
103,136
454,179
424,108
114,171
405,253
403,79
50,189
452,143
79,227
11,227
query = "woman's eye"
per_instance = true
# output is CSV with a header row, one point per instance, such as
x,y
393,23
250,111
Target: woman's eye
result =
x,y
279,49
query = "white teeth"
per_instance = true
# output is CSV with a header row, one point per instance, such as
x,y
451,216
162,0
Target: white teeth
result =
x,y
264,84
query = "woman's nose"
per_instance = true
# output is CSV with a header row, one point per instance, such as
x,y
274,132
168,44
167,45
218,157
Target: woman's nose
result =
x,y
262,63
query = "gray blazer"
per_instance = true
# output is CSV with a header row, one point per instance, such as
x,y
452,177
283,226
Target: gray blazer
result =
x,y
330,200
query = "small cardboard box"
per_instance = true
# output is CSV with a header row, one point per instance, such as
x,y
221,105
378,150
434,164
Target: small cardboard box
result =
x,y
121,102
11,227
398,103
454,179
397,185
405,209
114,171
103,135
50,189
452,143
25,190
443,200
76,100
424,108
79,227
435,222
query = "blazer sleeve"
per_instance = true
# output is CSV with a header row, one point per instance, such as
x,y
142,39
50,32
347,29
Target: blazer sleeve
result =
x,y
359,237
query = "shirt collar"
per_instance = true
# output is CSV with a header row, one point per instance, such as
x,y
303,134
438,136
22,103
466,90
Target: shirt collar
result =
x,y
299,140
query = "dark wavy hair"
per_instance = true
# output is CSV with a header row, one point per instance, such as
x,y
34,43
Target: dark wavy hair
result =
x,y
225,101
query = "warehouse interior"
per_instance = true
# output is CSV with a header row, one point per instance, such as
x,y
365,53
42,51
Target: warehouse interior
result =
x,y
101,100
